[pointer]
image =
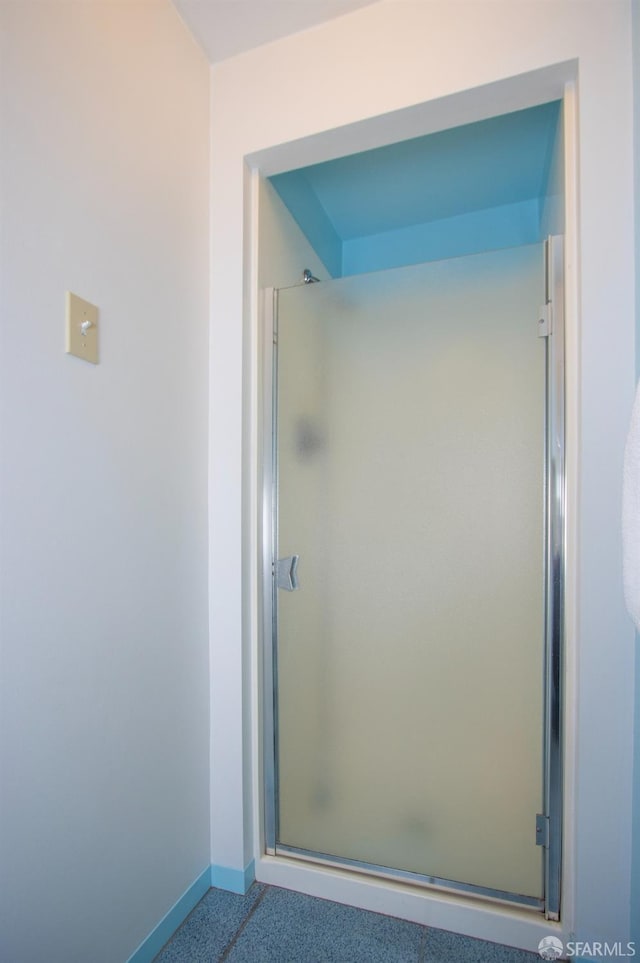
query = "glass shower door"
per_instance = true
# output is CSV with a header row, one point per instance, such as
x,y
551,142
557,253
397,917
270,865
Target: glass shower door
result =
x,y
410,437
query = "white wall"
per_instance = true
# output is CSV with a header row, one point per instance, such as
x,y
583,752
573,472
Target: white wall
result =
x,y
104,699
368,74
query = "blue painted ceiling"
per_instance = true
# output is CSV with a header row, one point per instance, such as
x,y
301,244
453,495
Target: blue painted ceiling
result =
x,y
492,163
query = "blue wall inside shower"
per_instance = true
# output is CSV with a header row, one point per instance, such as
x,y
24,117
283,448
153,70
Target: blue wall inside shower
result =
x,y
499,227
473,188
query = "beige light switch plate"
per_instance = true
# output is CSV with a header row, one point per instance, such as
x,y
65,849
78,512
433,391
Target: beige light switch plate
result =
x,y
82,328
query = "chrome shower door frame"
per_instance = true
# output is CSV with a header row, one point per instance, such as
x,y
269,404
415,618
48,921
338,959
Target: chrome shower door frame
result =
x,y
554,587
555,571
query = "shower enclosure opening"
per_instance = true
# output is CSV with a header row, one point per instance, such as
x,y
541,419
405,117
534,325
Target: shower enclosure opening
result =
x,y
413,557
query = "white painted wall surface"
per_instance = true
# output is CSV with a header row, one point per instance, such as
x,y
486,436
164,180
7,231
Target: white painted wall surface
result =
x,y
104,701
390,57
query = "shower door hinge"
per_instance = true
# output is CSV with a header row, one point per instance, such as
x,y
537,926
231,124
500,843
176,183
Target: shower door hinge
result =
x,y
542,830
544,321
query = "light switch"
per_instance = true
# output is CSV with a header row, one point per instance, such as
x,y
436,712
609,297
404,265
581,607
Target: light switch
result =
x,y
82,328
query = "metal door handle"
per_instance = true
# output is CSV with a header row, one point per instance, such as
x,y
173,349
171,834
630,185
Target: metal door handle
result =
x,y
286,572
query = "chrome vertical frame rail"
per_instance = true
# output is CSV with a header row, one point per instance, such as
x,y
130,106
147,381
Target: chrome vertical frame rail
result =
x,y
269,545
555,497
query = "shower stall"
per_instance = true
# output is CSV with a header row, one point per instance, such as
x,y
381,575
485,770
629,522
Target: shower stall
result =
x,y
413,574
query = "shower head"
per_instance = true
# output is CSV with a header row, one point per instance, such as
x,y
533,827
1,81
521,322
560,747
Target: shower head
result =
x,y
308,277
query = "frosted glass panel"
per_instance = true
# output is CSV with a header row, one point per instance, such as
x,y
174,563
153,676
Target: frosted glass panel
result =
x,y
410,447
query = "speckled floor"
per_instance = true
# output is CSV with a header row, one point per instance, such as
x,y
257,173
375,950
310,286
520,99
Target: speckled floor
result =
x,y
272,925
